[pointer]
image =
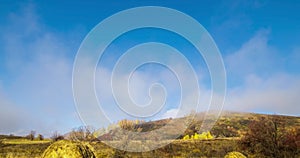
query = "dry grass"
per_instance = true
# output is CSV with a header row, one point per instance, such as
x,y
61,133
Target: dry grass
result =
x,y
24,141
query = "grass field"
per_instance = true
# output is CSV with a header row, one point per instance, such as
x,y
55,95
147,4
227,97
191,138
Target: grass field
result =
x,y
22,148
179,148
24,141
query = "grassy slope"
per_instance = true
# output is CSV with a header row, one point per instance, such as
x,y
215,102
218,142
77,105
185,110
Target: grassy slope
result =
x,y
228,124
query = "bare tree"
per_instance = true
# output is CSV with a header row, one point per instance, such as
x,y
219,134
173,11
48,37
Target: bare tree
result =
x,y
56,136
31,135
82,133
40,137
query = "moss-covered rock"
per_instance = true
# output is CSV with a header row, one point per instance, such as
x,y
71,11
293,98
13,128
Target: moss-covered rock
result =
x,y
68,149
235,154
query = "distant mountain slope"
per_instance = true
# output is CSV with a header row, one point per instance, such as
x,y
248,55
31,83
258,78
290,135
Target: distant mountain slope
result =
x,y
229,124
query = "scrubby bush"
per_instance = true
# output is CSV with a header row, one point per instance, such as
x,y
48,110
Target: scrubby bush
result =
x,y
224,130
129,124
235,154
202,136
268,137
186,137
31,135
56,136
40,137
291,141
65,148
82,133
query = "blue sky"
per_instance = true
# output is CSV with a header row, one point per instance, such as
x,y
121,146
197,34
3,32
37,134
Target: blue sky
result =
x,y
258,40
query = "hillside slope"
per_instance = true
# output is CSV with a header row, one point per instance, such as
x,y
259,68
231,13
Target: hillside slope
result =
x,y
229,124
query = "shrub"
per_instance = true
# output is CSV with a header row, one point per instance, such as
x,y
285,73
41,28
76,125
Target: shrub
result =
x,y
186,137
202,136
65,148
268,137
82,133
261,138
55,136
127,124
291,141
31,135
40,137
235,154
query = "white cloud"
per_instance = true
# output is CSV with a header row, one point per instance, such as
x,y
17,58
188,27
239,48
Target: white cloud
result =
x,y
264,84
11,117
254,56
39,73
172,113
139,85
139,88
277,94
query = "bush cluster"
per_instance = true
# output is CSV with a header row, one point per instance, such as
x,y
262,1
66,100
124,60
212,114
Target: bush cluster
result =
x,y
202,136
268,137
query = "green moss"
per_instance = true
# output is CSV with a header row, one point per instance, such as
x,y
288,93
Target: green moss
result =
x,y
68,149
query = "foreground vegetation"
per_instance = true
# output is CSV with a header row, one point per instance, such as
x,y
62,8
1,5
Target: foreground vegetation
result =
x,y
234,135
179,148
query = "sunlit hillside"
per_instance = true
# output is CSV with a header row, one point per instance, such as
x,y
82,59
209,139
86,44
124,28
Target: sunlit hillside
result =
x,y
233,132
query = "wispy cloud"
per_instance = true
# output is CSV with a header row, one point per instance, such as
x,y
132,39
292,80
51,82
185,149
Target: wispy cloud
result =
x,y
276,94
254,56
40,72
264,85
12,117
140,83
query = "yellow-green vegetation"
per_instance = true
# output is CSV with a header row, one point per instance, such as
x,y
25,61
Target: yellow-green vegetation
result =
x,y
22,148
66,149
129,124
24,141
235,154
178,148
69,149
202,136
